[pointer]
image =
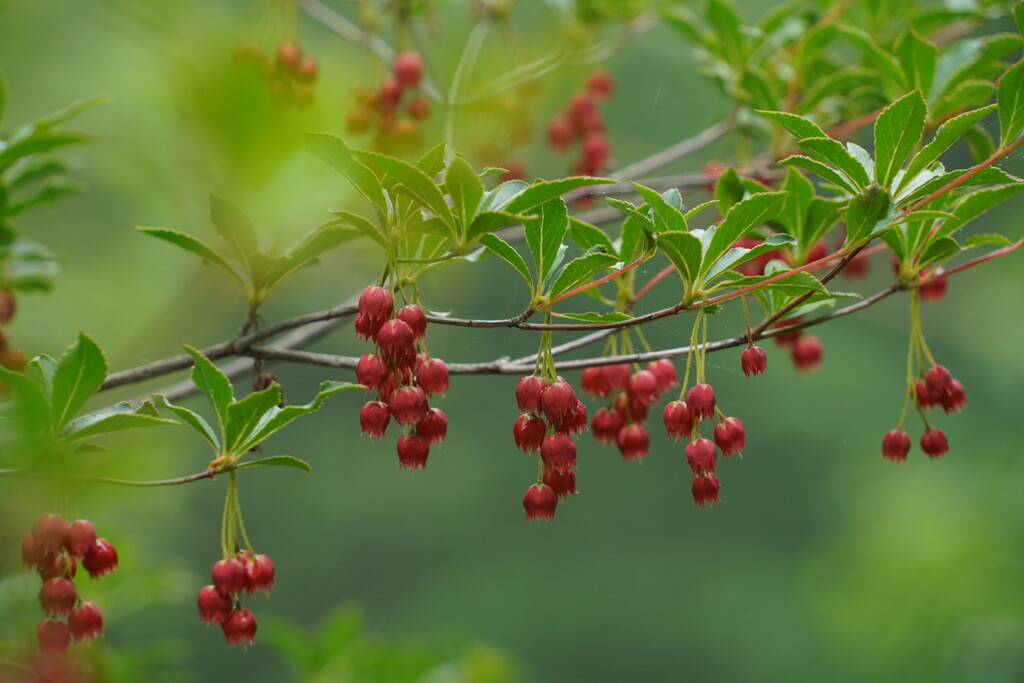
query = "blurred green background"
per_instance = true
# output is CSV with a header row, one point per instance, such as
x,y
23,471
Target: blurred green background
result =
x,y
822,563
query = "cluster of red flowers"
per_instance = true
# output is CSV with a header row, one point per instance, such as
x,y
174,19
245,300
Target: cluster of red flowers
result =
x,y
683,420
582,121
936,388
220,603
552,414
402,377
290,76
54,548
630,395
382,107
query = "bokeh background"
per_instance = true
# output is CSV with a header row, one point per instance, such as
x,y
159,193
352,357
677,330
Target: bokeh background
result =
x,y
822,563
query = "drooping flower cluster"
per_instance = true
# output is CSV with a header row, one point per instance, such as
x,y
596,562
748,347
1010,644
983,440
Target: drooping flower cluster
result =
x,y
221,602
54,549
403,377
394,116
551,416
290,75
936,388
683,419
630,396
582,121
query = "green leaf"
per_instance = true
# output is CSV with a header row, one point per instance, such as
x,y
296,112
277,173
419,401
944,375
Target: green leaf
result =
x,y
865,212
793,285
45,366
417,183
937,250
588,236
981,143
598,318
667,217
308,252
640,221
739,255
728,28
37,413
947,134
466,191
213,383
965,95
197,247
489,221
510,255
798,126
244,416
700,207
829,151
683,250
278,461
918,57
3,96
333,150
37,144
119,418
977,203
544,235
801,192
1010,96
753,211
279,417
193,420
898,131
985,239
498,198
363,225
1018,16
819,169
234,226
79,374
729,189
580,271
543,191
434,160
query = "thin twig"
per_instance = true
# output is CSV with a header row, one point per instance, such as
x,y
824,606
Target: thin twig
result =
x,y
505,366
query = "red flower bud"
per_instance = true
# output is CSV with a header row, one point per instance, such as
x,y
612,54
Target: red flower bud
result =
x,y
85,622
933,442
806,352
895,445
557,400
259,574
413,316
701,455
413,450
633,441
678,420
528,393
606,425
730,435
528,432
230,576
558,451
433,426
408,69
665,371
643,387
376,303
705,489
408,405
540,502
100,559
57,596
432,376
240,627
754,361
371,371
562,483
54,636
374,418
700,399
214,605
